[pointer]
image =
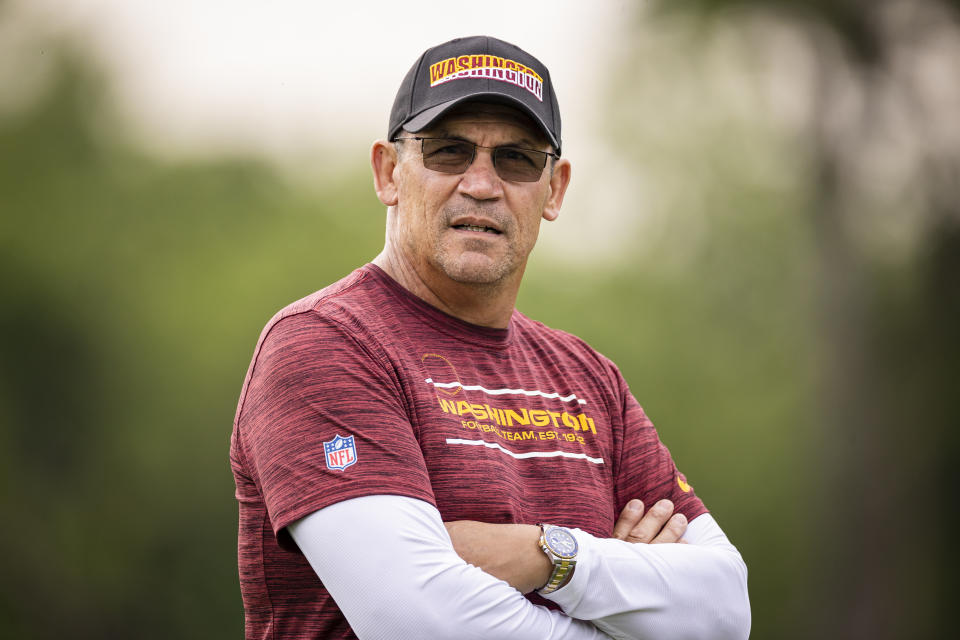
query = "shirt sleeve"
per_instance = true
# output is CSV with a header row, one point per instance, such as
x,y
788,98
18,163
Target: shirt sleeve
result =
x,y
394,574
324,420
664,591
646,470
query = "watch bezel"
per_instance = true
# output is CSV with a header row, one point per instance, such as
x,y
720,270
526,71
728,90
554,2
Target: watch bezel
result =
x,y
552,531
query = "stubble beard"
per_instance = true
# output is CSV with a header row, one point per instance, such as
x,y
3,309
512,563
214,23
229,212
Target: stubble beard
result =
x,y
473,267
475,261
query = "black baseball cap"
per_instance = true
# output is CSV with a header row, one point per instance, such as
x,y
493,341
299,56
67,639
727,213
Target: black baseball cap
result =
x,y
475,68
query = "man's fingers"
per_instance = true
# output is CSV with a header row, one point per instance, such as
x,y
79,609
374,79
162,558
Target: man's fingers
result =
x,y
629,518
673,530
652,522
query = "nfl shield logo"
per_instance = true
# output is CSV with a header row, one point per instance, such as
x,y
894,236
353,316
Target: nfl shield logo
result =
x,y
340,452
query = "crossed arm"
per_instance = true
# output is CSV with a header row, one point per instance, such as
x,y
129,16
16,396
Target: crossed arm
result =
x,y
407,579
511,552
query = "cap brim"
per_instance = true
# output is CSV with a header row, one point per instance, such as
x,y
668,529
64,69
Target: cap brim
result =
x,y
427,117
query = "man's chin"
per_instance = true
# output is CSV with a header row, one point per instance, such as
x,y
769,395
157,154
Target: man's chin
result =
x,y
477,269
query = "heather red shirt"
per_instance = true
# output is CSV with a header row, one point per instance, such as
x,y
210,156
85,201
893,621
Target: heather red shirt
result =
x,y
362,388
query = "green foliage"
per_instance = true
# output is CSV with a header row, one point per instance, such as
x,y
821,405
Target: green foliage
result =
x,y
873,446
133,294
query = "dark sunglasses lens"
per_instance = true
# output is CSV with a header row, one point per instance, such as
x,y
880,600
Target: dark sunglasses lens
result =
x,y
447,156
519,165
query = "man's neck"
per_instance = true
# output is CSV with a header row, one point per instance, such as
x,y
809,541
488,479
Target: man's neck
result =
x,y
486,305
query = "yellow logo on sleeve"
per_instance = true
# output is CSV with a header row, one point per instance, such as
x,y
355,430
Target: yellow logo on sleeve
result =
x,y
683,484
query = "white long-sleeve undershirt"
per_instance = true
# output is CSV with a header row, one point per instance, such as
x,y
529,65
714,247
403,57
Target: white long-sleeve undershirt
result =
x,y
694,590
389,564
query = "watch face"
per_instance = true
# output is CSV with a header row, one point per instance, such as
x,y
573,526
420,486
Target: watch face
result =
x,y
561,542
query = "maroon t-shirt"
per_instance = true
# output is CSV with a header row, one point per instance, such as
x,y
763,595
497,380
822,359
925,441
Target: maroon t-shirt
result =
x,y
362,388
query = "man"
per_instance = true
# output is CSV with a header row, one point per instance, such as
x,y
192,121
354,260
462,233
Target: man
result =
x,y
407,420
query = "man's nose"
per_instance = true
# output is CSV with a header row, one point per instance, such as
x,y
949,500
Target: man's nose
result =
x,y
480,181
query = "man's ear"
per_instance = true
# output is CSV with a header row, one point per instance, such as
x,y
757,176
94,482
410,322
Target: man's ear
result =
x,y
383,161
559,181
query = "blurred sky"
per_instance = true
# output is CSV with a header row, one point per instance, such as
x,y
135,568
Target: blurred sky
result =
x,y
309,84
285,76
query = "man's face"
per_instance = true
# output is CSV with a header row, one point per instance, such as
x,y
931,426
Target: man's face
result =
x,y
440,215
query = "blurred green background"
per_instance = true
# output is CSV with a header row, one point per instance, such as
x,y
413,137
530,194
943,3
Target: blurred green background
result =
x,y
784,301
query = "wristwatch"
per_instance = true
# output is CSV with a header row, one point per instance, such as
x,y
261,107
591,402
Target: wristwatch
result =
x,y
561,547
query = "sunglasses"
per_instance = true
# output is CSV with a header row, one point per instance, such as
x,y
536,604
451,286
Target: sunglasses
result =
x,y
514,164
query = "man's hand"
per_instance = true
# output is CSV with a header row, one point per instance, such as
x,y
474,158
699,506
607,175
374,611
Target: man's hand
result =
x,y
655,526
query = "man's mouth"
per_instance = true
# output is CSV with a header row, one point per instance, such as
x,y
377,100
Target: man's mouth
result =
x,y
473,227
